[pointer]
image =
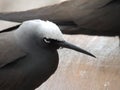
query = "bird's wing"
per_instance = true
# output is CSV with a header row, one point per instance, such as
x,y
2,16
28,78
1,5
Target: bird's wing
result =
x,y
10,28
91,17
9,50
56,11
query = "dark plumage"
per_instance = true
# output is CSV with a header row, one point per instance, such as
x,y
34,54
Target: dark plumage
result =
x,y
28,55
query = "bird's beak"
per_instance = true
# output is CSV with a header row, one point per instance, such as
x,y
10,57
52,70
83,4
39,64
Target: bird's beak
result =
x,y
71,46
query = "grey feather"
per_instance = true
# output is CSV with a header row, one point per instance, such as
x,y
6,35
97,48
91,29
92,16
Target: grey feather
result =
x,y
9,50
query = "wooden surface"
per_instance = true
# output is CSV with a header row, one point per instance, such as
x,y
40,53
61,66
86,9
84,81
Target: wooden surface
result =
x,y
77,71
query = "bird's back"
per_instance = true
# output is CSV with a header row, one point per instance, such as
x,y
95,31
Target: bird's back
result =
x,y
9,50
10,53
23,71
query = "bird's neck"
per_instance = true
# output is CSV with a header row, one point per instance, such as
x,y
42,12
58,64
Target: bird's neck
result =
x,y
26,39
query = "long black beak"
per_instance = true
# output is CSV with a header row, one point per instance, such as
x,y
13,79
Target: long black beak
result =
x,y
71,46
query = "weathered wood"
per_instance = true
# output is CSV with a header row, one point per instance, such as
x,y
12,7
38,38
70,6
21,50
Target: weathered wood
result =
x,y
80,72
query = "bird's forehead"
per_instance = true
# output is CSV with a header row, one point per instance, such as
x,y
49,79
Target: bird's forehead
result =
x,y
48,29
51,30
44,29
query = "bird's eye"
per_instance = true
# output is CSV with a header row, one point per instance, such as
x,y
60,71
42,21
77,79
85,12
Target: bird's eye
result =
x,y
46,40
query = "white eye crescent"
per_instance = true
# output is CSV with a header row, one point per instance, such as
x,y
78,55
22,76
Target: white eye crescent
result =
x,y
46,40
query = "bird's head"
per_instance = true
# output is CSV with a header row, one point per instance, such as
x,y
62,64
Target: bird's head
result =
x,y
50,34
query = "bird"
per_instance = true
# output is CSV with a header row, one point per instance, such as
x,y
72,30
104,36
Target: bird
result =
x,y
94,17
28,54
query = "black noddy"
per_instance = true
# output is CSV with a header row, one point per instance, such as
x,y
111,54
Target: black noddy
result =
x,y
28,55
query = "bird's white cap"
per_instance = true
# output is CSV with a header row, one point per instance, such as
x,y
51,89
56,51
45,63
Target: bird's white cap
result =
x,y
45,29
